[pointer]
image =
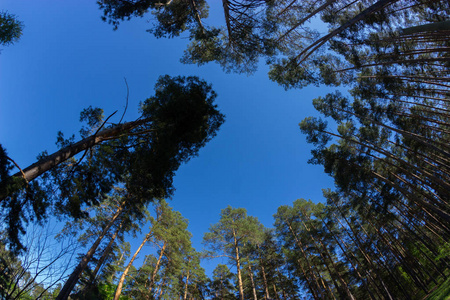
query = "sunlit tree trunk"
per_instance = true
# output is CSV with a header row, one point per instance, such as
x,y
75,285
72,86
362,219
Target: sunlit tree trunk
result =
x,y
125,272
250,273
158,263
238,266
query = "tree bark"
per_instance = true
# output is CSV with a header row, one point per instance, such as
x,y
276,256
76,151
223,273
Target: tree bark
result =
x,y
47,163
125,272
300,245
250,273
263,272
73,279
186,285
105,253
152,281
238,266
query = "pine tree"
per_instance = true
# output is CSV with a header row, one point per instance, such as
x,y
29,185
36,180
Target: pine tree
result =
x,y
227,237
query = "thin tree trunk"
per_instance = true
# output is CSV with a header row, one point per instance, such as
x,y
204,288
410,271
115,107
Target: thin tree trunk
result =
x,y
155,271
377,6
125,272
355,238
300,245
250,273
324,254
263,272
159,292
105,253
73,279
238,266
363,280
186,283
275,291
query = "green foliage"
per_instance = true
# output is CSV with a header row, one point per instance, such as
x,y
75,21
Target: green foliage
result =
x,y
93,117
24,195
221,286
442,292
10,28
234,229
173,17
176,122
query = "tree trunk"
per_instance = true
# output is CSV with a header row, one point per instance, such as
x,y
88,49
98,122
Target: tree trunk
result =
x,y
125,272
345,252
238,266
445,25
263,272
160,290
377,6
300,245
355,238
186,284
250,273
275,291
105,253
382,260
155,271
51,161
73,279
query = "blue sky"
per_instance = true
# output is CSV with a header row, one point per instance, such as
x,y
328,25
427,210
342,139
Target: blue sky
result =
x,y
68,59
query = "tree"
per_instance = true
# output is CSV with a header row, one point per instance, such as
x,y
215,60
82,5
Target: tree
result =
x,y
74,277
10,28
34,274
174,16
301,257
110,216
221,286
143,155
228,236
169,232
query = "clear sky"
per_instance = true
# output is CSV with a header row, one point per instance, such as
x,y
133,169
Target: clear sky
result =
x,y
68,59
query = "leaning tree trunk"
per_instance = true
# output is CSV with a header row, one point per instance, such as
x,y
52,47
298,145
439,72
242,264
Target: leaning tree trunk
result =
x,y
311,271
263,272
125,272
155,271
73,279
47,163
105,253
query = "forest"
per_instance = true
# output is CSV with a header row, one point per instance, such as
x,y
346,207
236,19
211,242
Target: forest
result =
x,y
380,130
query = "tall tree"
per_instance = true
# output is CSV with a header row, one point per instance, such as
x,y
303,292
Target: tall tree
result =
x,y
143,155
227,237
221,285
169,233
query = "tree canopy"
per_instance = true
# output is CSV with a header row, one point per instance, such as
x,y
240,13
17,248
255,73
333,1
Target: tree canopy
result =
x,y
143,155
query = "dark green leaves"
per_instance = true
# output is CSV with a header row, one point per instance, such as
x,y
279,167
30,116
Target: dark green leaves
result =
x,y
10,28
